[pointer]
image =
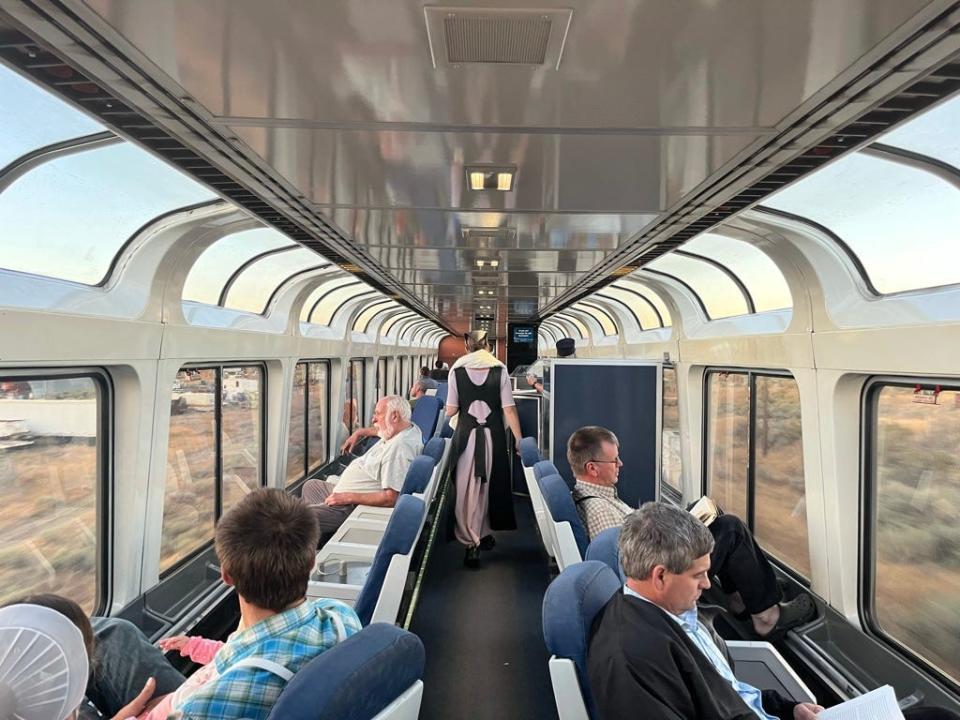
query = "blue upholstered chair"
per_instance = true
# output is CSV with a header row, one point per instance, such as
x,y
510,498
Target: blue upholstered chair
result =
x,y
570,606
434,448
446,432
605,547
442,392
375,674
568,535
425,415
529,452
544,468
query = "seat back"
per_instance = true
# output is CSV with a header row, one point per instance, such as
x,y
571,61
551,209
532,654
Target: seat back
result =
x,y
434,449
446,431
570,606
376,673
571,543
605,547
425,415
543,468
442,392
398,540
529,452
418,475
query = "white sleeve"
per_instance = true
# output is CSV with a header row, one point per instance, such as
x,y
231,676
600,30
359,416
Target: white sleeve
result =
x,y
393,469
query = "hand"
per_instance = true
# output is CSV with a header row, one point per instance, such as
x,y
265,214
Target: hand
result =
x,y
137,705
177,642
336,499
806,711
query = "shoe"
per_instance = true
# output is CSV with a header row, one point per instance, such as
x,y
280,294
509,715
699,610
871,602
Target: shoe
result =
x,y
798,611
471,558
488,542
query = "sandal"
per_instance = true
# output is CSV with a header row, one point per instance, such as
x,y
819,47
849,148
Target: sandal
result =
x,y
798,611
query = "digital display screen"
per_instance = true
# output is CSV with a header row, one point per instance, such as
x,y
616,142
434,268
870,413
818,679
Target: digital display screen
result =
x,y
524,334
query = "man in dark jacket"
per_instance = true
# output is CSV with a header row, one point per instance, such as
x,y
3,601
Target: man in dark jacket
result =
x,y
439,372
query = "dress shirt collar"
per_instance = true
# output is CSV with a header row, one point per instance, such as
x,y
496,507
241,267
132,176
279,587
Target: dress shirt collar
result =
x,y
604,491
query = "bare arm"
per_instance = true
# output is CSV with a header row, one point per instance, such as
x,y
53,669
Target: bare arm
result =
x,y
383,498
513,421
357,436
451,410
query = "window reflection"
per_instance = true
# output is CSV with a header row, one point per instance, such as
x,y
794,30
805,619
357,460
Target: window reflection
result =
x,y
917,548
48,472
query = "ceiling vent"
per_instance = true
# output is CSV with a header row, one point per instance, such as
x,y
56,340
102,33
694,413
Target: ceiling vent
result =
x,y
496,36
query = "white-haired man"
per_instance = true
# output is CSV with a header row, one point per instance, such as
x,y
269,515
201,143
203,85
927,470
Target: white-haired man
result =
x,y
374,478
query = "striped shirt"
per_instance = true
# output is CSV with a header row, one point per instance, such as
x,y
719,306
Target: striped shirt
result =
x,y
290,639
599,507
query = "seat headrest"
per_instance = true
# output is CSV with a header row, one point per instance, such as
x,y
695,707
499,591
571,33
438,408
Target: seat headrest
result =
x,y
355,679
543,468
570,606
446,431
425,414
529,452
398,539
418,475
560,503
605,548
434,449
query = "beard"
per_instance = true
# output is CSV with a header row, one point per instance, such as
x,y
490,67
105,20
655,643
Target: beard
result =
x,y
387,430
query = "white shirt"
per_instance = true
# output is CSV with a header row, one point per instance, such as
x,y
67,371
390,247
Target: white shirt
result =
x,y
384,466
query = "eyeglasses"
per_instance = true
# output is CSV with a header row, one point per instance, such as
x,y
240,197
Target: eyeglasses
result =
x,y
615,460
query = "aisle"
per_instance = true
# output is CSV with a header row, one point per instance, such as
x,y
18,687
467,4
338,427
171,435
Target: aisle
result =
x,y
482,630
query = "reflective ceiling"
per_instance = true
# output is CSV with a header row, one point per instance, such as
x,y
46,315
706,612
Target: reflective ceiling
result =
x,y
650,99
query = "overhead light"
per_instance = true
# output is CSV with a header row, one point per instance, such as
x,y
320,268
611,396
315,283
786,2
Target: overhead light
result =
x,y
491,177
480,263
494,263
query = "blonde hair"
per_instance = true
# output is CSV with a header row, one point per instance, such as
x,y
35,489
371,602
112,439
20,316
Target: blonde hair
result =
x,y
476,340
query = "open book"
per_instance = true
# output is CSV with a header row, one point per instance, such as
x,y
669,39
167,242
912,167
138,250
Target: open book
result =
x,y
879,704
705,510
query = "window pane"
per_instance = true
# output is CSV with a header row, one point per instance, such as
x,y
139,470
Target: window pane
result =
x,y
317,415
253,287
780,507
31,118
189,493
218,262
48,471
367,315
608,327
887,213
650,295
323,315
643,311
297,438
671,459
381,378
357,368
718,292
577,323
322,290
932,133
750,264
69,217
389,327
728,441
240,433
916,471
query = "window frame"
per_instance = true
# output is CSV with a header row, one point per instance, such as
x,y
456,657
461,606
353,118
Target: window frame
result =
x,y
752,374
307,362
866,587
361,394
218,459
104,531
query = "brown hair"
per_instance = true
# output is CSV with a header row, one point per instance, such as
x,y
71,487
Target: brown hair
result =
x,y
476,340
266,543
69,609
584,444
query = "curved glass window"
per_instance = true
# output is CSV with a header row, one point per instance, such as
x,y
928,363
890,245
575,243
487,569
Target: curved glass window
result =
x,y
751,265
367,315
577,323
389,325
214,268
650,296
601,316
900,221
323,313
720,295
32,118
254,286
932,133
644,312
324,288
68,218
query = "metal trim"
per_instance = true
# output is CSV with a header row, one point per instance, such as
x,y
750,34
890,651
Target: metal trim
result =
x,y
747,297
325,294
20,166
228,285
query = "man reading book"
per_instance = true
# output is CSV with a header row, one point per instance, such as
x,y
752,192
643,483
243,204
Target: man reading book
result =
x,y
743,570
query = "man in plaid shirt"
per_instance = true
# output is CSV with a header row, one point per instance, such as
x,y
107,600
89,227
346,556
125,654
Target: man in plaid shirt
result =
x,y
266,545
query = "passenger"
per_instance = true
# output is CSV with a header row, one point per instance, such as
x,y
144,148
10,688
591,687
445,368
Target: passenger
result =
x,y
566,348
266,546
375,478
424,383
439,372
737,560
480,395
649,650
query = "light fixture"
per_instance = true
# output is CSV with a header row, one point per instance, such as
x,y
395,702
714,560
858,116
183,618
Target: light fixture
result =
x,y
494,263
491,177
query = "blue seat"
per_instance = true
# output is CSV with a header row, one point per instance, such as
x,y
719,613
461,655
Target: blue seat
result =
x,y
445,430
418,475
375,673
563,511
434,449
425,415
570,606
544,468
392,558
605,547
529,452
442,392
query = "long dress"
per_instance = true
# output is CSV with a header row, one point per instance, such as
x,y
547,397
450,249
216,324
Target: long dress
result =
x,y
483,494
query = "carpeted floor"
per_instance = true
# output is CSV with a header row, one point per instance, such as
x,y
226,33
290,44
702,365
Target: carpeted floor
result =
x,y
482,630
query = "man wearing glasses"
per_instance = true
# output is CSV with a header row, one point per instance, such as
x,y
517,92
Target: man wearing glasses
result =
x,y
744,571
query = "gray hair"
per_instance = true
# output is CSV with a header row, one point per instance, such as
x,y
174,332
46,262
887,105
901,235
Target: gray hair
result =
x,y
396,403
585,444
661,534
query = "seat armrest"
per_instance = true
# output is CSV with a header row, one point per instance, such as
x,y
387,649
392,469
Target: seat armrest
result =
x,y
744,652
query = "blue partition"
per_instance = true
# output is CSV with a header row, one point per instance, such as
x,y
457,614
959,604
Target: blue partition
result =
x,y
620,395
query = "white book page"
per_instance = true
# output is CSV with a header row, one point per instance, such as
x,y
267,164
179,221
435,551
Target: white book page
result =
x,y
879,704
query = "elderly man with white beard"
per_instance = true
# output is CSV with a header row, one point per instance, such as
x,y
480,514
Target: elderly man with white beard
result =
x,y
374,478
